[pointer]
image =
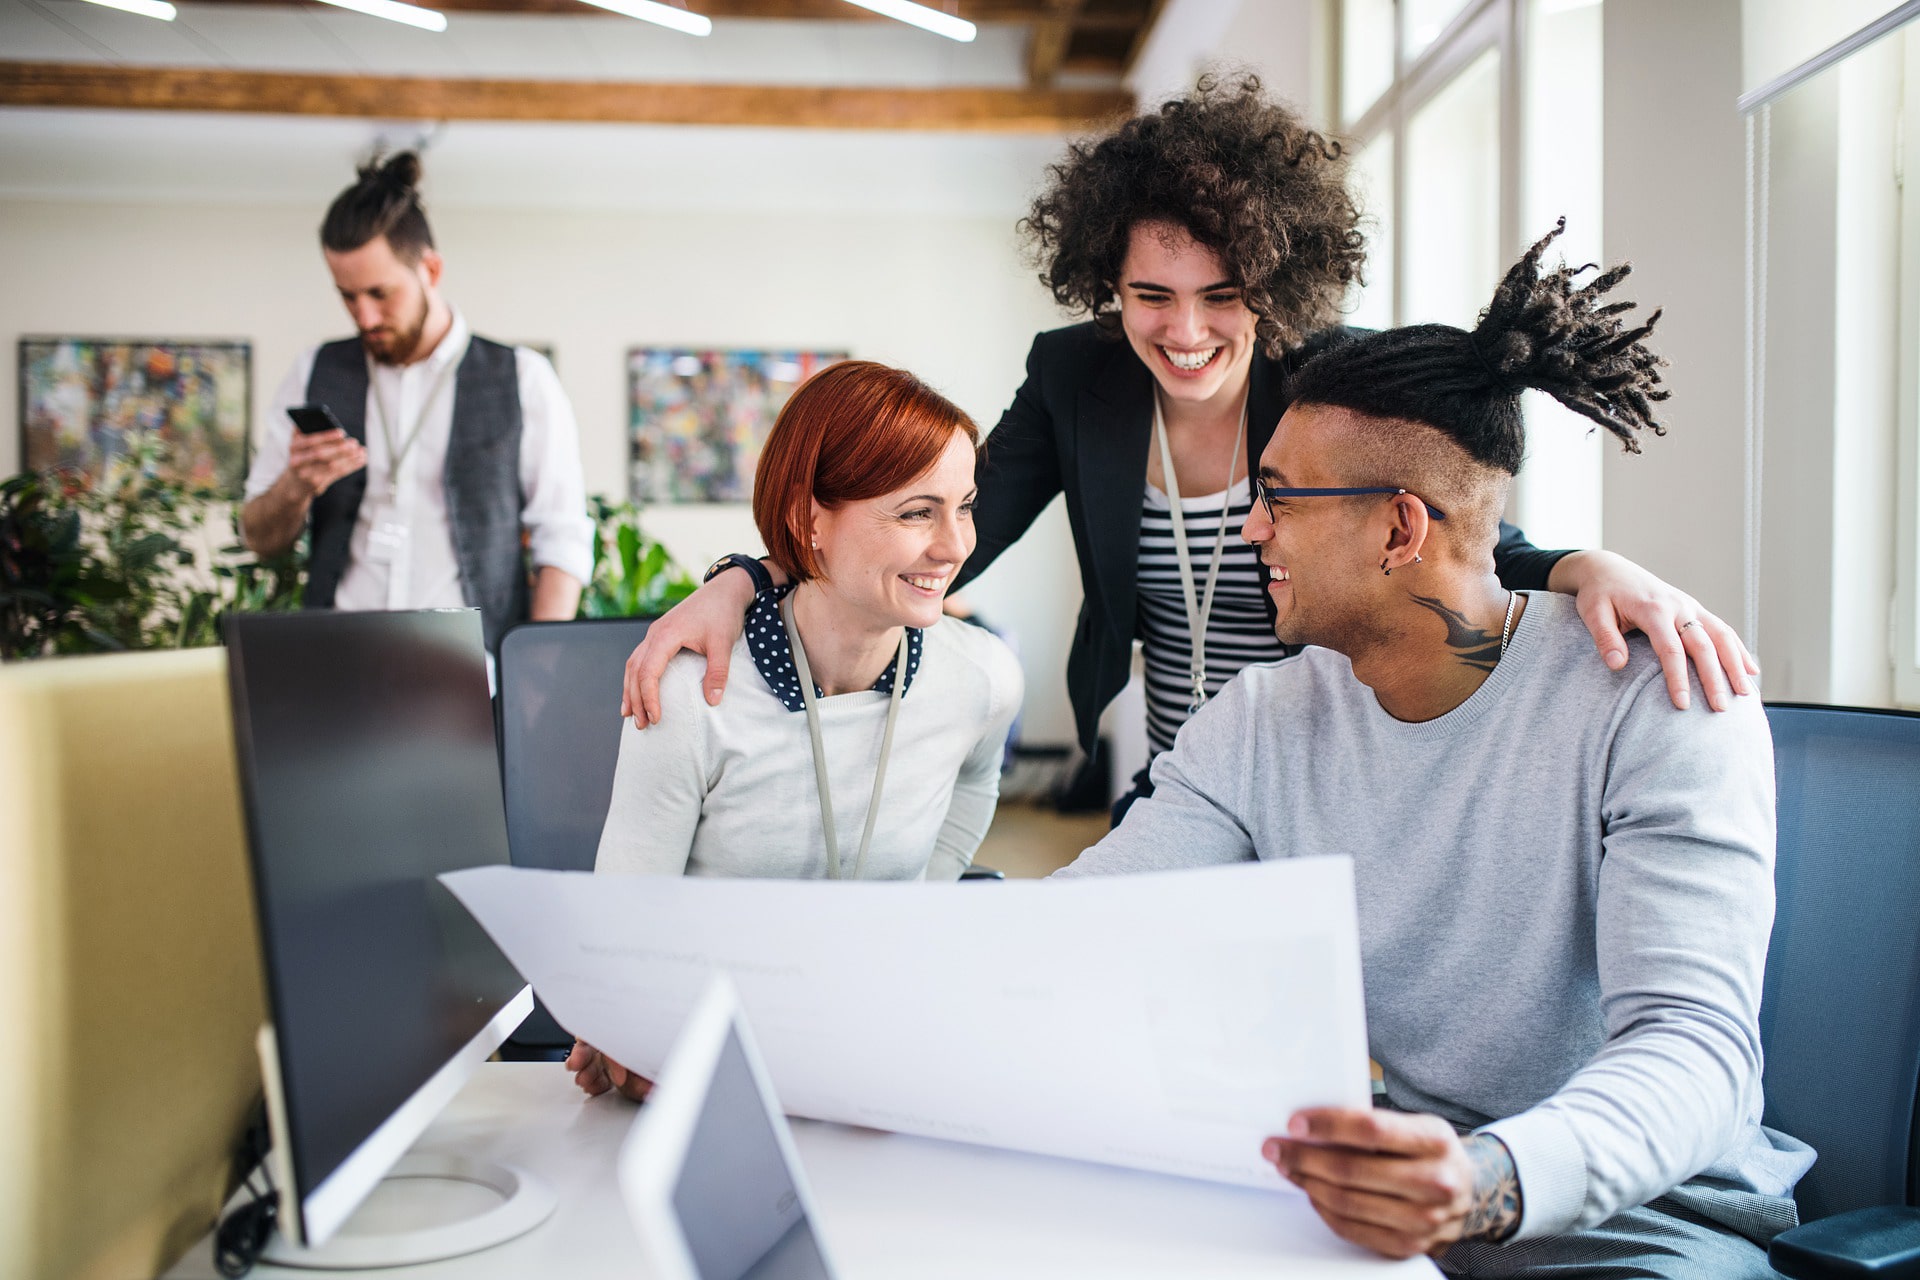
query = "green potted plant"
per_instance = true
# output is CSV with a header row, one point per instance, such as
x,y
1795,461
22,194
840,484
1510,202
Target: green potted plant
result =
x,y
633,576
123,563
50,586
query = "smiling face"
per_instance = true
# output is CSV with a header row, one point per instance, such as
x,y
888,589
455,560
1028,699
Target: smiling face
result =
x,y
1183,316
1319,551
387,297
888,561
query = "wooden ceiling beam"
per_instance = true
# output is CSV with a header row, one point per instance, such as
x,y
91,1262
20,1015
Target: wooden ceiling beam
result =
x,y
1143,33
1047,46
39,84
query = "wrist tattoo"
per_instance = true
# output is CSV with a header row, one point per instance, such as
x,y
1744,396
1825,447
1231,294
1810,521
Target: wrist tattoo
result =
x,y
1495,1211
1474,646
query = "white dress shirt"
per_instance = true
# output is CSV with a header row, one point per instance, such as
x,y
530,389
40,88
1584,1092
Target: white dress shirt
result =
x,y
425,573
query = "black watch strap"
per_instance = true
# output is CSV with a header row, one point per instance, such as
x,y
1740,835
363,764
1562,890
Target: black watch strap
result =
x,y
762,580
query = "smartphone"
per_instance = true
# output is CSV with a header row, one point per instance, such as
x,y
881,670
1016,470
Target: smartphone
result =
x,y
312,419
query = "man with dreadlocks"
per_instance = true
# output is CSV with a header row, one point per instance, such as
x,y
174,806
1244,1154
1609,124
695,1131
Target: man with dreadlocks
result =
x,y
1565,882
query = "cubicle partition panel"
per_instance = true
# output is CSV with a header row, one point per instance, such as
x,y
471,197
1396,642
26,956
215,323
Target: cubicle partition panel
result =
x,y
130,984
1840,1014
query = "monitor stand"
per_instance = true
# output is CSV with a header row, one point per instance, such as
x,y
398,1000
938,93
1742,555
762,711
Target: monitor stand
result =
x,y
427,1208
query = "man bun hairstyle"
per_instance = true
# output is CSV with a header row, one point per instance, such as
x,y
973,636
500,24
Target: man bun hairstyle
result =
x,y
383,201
1242,174
1541,331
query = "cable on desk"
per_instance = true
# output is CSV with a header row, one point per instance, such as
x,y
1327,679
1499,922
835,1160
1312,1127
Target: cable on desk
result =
x,y
244,1232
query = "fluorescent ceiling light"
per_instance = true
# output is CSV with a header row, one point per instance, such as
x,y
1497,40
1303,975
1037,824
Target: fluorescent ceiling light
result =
x,y
145,8
941,24
393,11
694,24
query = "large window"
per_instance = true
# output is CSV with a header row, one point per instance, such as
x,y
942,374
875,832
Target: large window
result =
x,y
1477,123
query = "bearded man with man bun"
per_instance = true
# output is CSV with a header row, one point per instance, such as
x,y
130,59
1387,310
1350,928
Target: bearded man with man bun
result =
x,y
457,457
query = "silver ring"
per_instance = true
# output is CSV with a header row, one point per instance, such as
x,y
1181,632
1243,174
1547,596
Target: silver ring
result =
x,y
1691,623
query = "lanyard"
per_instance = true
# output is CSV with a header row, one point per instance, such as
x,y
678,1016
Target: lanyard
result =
x,y
1198,610
397,451
820,750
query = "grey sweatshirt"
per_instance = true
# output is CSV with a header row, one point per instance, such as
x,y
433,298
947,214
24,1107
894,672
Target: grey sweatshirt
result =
x,y
1565,891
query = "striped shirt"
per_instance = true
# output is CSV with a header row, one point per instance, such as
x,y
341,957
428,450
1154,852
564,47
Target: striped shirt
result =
x,y
1238,632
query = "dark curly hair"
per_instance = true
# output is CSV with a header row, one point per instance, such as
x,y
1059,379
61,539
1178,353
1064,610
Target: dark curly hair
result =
x,y
1541,331
1242,174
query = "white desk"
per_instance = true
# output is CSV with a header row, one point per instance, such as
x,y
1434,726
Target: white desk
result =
x,y
891,1207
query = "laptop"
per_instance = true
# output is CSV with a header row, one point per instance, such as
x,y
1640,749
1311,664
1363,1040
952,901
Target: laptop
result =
x,y
709,1171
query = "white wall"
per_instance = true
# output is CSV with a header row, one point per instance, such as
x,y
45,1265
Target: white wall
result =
x,y
1287,42
947,297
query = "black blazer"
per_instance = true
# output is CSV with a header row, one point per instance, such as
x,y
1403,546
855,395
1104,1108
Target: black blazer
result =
x,y
1081,425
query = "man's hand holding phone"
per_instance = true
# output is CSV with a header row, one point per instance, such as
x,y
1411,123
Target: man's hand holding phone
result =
x,y
320,452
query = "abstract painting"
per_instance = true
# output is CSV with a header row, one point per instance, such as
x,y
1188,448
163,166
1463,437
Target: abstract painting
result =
x,y
82,401
697,418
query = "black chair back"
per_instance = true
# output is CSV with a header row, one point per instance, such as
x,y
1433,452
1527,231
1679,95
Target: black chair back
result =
x,y
1840,1013
559,739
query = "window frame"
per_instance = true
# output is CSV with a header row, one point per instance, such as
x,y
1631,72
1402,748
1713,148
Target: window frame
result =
x,y
1903,627
1482,25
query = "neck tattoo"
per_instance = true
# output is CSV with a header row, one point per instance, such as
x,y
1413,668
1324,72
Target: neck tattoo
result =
x,y
1473,645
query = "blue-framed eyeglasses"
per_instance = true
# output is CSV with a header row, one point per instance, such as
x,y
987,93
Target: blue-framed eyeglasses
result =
x,y
1269,492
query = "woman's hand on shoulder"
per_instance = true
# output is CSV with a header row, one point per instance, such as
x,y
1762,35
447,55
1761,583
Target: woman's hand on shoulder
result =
x,y
595,1073
1615,595
706,622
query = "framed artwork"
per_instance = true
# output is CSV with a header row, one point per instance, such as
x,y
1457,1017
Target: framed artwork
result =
x,y
82,399
697,419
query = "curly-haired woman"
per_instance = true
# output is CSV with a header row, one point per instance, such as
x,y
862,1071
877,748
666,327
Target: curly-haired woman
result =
x,y
1211,241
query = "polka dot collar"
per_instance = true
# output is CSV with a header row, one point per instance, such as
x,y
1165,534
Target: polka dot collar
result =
x,y
773,655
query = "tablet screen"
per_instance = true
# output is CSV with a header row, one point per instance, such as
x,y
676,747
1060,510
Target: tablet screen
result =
x,y
736,1201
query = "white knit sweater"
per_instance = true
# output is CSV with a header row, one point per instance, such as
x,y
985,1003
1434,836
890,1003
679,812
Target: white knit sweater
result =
x,y
730,791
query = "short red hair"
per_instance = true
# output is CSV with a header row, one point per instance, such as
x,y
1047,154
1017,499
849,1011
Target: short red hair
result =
x,y
853,431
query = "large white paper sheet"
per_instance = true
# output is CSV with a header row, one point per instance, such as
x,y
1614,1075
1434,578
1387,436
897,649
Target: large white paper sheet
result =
x,y
1168,1022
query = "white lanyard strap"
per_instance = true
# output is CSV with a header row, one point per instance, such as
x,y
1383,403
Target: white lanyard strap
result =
x,y
397,450
1198,610
820,750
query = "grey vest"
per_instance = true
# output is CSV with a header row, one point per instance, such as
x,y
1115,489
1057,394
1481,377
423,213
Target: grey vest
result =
x,y
482,480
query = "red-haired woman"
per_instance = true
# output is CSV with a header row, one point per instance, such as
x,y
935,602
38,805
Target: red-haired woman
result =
x,y
867,745
829,761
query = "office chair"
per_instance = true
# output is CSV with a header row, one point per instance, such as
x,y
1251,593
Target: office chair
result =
x,y
1840,1011
559,741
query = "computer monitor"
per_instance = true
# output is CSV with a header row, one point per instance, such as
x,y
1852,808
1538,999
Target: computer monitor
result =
x,y
367,767
711,1179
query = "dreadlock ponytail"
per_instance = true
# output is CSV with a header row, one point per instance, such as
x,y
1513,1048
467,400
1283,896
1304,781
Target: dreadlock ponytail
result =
x,y
1546,332
1541,331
